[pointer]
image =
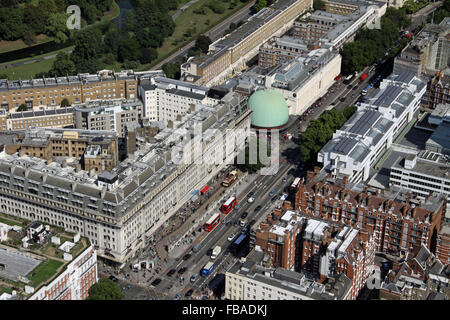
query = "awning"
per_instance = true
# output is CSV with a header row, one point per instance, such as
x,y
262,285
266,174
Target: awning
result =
x,y
205,188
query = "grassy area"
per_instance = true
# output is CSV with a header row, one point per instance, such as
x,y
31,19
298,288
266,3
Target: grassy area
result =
x,y
10,222
196,24
44,272
5,290
29,70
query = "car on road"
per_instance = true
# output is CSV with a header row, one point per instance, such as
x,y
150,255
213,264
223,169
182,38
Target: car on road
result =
x,y
194,277
113,278
186,256
189,293
258,208
251,193
271,193
156,282
182,270
171,272
209,251
235,223
284,179
230,237
251,200
244,215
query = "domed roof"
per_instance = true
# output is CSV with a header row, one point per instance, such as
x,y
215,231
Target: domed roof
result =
x,y
270,110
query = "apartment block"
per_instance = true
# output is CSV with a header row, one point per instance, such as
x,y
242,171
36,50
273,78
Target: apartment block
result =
x,y
443,245
76,280
398,221
420,277
49,118
279,50
165,99
230,54
438,91
86,149
427,53
317,248
49,92
108,115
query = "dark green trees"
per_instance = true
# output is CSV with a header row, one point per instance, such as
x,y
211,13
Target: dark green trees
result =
x,y
105,289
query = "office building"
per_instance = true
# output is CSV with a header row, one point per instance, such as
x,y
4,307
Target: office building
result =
x,y
371,130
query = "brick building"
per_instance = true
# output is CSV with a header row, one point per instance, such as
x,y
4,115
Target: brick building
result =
x,y
397,221
443,245
317,248
420,277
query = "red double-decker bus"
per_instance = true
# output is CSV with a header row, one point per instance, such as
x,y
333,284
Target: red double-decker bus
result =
x,y
229,205
212,222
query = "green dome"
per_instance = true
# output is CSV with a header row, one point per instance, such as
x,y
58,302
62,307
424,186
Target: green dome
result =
x,y
269,109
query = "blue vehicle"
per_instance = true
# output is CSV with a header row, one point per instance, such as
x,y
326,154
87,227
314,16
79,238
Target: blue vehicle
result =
x,y
364,92
207,269
239,243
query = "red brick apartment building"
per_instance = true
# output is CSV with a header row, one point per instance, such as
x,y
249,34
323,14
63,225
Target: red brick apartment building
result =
x,y
443,245
317,247
397,221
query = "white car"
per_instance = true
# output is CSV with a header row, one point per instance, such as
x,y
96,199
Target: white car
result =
x,y
251,199
231,237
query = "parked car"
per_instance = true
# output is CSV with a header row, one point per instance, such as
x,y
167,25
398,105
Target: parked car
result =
x,y
230,237
244,215
251,200
209,252
194,277
182,270
258,208
156,282
189,293
113,278
186,256
171,272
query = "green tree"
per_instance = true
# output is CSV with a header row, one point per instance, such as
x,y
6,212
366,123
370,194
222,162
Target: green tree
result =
x,y
63,65
172,70
259,5
22,107
318,5
129,49
105,289
203,43
88,47
349,111
57,27
65,103
11,25
148,55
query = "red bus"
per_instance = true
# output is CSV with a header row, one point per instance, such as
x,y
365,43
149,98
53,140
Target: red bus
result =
x,y
229,205
294,185
212,222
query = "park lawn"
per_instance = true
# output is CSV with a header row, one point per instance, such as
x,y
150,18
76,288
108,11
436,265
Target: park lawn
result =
x,y
188,20
29,70
44,272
